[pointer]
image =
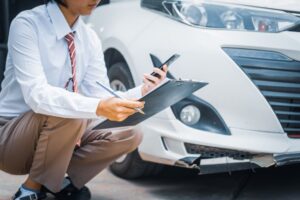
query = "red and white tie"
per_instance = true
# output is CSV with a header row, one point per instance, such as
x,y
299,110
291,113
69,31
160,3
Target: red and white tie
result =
x,y
72,51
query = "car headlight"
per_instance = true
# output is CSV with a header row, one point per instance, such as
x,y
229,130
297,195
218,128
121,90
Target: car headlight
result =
x,y
190,115
198,13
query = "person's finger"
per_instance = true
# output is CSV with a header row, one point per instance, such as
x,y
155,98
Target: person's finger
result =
x,y
131,104
125,110
148,83
152,78
133,99
161,73
165,68
121,117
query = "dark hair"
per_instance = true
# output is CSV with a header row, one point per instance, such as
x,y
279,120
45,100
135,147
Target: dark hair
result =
x,y
57,1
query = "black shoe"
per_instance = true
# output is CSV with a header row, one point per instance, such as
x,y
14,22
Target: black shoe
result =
x,y
71,193
37,196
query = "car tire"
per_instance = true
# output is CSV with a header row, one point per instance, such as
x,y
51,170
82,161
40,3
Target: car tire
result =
x,y
131,166
120,72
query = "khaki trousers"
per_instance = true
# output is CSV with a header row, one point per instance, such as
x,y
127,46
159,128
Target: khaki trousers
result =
x,y
44,147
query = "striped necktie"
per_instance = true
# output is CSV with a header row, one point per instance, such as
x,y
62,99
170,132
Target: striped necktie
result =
x,y
72,51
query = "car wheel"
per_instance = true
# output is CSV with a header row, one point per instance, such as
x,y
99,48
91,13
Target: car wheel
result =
x,y
129,166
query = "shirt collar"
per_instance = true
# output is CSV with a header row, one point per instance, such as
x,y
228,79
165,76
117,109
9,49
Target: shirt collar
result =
x,y
60,23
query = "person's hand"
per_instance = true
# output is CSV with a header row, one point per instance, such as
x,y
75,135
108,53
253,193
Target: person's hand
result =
x,y
151,82
116,109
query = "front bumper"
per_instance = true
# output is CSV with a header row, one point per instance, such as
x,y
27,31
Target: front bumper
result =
x,y
285,159
169,139
242,150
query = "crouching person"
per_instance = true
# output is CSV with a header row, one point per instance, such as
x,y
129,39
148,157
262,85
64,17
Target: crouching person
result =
x,y
50,97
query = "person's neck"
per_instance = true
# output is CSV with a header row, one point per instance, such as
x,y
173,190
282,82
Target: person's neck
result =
x,y
70,16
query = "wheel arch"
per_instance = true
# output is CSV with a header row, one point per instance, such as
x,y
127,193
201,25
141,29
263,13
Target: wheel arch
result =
x,y
113,56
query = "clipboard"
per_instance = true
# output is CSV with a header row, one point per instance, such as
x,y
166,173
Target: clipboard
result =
x,y
162,97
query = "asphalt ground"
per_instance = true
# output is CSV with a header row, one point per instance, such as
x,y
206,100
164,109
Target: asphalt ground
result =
x,y
273,183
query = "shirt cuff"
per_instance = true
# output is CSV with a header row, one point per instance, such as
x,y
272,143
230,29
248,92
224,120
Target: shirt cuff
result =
x,y
93,104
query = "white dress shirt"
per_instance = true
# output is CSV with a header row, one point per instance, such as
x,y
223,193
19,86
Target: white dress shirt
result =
x,y
38,67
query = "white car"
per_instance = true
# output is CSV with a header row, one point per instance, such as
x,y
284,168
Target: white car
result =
x,y
249,53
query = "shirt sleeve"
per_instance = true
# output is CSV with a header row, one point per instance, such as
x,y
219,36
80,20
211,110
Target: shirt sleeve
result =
x,y
40,96
97,71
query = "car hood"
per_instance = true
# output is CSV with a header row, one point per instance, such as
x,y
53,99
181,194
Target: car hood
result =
x,y
289,5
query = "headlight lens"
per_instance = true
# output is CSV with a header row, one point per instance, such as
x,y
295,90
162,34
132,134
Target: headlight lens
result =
x,y
229,16
190,115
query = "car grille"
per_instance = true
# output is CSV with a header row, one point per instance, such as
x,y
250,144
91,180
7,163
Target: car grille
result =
x,y
212,152
278,79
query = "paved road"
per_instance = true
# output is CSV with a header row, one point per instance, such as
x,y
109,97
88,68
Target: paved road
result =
x,y
274,184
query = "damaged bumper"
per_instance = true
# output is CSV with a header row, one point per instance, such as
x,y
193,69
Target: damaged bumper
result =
x,y
207,165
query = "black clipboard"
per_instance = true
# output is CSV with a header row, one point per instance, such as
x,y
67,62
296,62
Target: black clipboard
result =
x,y
157,100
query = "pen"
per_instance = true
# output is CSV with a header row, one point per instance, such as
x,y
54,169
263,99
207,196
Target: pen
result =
x,y
118,96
